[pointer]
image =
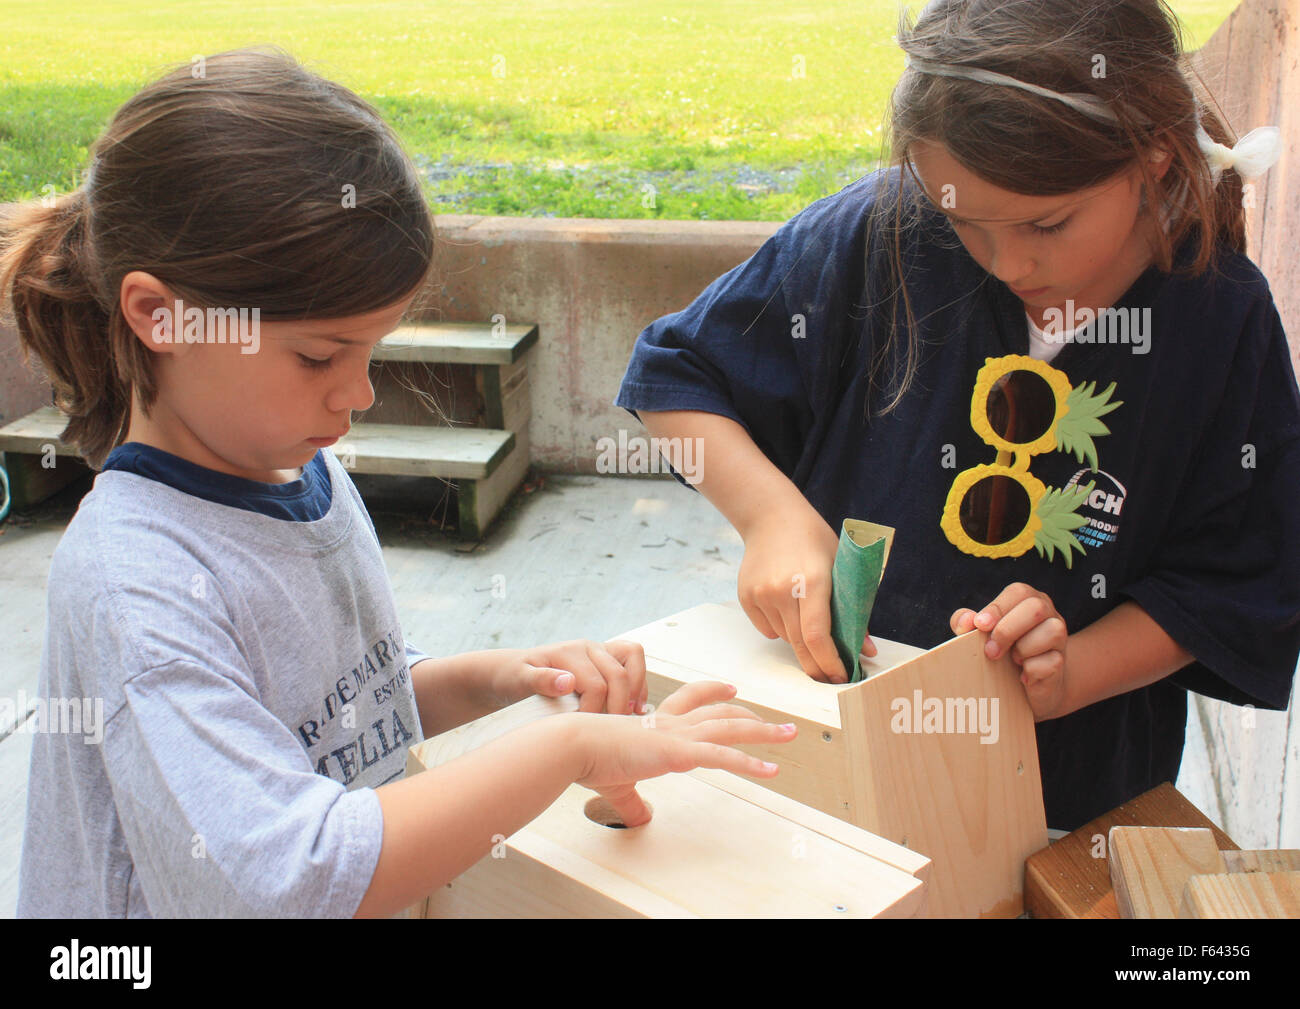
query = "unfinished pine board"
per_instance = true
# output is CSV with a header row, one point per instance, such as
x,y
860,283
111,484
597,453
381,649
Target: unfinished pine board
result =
x,y
814,765
1071,877
974,809
702,644
706,852
1242,895
447,746
457,343
1149,866
904,859
402,450
1287,860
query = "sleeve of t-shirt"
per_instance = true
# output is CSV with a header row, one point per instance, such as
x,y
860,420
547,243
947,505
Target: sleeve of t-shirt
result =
x,y
221,809
754,345
413,654
1226,585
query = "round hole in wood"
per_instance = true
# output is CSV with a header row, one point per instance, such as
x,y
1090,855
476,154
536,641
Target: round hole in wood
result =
x,y
598,810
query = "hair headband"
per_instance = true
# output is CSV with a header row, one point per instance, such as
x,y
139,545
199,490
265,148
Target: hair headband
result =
x,y
1250,156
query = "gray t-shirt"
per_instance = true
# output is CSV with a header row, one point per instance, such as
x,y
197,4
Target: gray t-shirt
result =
x,y
255,690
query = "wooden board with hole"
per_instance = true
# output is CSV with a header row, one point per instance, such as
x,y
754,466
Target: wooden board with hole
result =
x,y
712,848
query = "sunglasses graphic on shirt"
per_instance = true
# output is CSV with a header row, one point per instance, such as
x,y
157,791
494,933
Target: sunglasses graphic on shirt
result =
x,y
1024,407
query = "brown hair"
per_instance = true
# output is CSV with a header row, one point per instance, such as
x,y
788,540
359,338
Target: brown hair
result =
x,y
1146,80
227,181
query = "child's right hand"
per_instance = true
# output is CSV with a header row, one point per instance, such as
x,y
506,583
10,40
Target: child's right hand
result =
x,y
785,588
690,729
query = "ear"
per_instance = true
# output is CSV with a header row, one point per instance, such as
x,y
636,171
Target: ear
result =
x,y
148,305
1159,161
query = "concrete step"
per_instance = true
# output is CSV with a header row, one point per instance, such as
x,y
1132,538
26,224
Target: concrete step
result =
x,y
457,343
458,453
470,453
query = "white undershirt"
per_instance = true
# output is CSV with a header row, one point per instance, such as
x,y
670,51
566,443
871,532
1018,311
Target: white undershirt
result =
x,y
1044,347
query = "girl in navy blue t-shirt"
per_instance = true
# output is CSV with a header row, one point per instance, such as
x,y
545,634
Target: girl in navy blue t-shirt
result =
x,y
1034,345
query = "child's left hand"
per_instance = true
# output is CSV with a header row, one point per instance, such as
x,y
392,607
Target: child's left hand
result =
x,y
1024,622
608,677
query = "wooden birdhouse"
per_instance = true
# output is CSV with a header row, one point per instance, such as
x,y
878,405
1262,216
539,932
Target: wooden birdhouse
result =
x,y
717,845
934,750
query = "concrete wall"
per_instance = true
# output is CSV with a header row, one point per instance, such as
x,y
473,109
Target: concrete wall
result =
x,y
22,387
591,286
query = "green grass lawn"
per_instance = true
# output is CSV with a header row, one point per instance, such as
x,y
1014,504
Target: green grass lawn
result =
x,y
729,109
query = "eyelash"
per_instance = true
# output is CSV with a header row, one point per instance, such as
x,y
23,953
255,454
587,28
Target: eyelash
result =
x,y
315,364
1053,230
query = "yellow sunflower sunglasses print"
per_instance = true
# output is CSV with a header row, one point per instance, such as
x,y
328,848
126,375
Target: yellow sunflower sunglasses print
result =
x,y
1024,407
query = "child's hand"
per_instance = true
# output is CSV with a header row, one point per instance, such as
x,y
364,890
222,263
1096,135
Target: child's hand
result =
x,y
785,588
608,677
688,730
1024,622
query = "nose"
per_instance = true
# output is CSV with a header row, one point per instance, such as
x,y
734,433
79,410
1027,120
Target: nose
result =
x,y
354,393
1011,264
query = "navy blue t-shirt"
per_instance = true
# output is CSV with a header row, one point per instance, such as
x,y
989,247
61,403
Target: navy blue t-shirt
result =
x,y
306,499
1194,515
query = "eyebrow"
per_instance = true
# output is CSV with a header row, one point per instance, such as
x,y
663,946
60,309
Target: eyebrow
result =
x,y
335,338
1028,220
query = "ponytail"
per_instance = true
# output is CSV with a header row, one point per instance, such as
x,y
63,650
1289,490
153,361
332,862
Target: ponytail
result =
x,y
48,291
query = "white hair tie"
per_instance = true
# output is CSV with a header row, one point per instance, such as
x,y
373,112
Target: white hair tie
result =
x,y
1252,155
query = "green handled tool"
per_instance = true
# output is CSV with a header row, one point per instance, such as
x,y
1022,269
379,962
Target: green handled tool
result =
x,y
859,564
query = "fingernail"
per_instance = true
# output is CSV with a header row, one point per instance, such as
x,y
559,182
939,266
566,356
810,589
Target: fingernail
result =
x,y
992,650
788,726
564,681
768,767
